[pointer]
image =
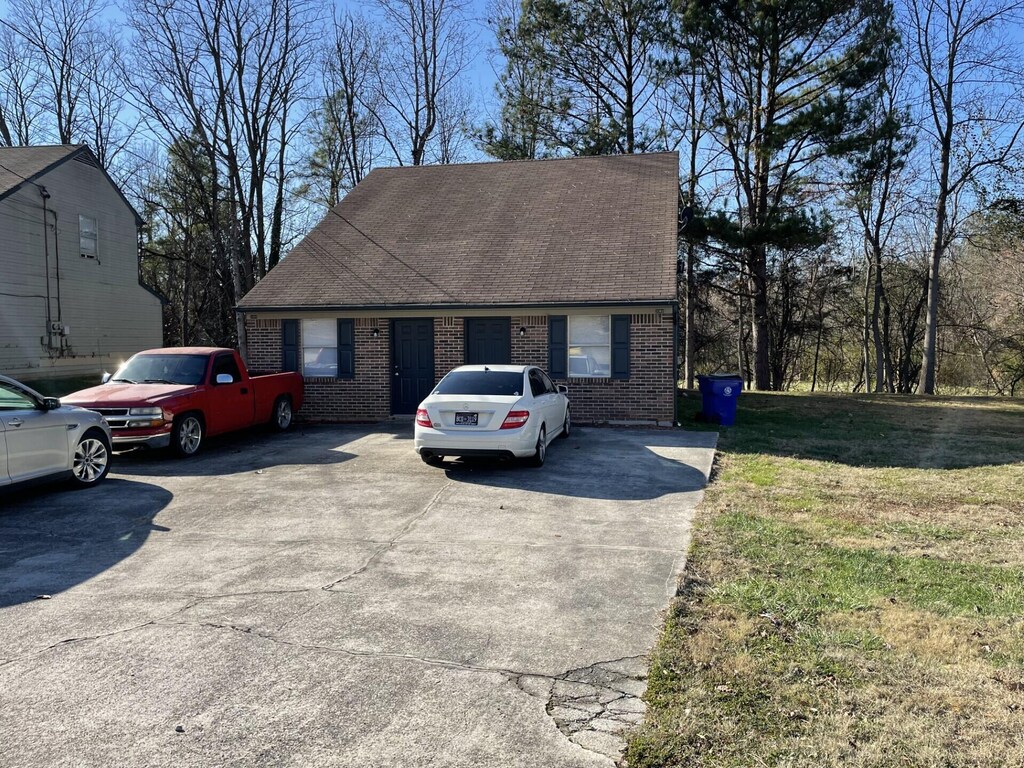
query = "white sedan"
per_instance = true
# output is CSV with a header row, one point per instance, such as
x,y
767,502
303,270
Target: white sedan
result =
x,y
41,438
501,411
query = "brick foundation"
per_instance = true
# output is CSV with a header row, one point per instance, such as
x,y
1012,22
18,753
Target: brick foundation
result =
x,y
647,395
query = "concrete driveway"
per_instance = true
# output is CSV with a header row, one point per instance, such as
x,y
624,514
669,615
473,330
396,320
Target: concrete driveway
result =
x,y
323,598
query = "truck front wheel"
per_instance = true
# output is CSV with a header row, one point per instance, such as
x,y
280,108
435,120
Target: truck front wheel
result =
x,y
281,416
187,434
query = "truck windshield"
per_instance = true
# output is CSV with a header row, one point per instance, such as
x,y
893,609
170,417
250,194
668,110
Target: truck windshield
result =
x,y
163,369
481,383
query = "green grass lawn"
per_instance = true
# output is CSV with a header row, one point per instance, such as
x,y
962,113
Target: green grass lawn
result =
x,y
855,592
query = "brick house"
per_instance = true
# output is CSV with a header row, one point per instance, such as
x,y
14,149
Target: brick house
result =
x,y
566,264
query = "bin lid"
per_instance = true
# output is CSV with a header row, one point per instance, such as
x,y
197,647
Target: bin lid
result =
x,y
722,376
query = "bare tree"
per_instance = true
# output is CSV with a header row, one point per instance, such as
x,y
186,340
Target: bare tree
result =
x,y
343,132
969,59
878,194
228,75
423,53
59,38
454,108
19,83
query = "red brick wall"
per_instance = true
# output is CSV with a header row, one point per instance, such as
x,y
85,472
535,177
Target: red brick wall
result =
x,y
367,397
263,338
449,344
646,396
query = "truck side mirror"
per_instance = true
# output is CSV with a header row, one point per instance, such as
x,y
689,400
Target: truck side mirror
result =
x,y
224,378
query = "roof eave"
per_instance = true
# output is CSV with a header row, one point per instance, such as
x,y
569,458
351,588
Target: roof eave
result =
x,y
665,302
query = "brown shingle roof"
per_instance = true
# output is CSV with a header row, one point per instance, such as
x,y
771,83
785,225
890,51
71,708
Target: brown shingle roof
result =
x,y
20,163
589,229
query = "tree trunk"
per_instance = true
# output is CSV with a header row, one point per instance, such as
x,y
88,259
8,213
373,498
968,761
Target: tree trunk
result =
x,y
691,329
883,367
926,383
762,333
866,329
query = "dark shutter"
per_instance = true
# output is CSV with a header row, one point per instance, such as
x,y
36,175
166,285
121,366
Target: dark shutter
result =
x,y
346,348
289,345
620,346
558,347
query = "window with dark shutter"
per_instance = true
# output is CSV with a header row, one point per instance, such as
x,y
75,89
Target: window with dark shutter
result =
x,y
558,346
346,348
290,345
620,346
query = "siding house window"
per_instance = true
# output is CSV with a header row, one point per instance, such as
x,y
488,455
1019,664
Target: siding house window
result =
x,y
589,346
88,237
320,348
328,348
590,351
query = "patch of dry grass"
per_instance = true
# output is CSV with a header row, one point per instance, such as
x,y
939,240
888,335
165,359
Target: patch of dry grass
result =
x,y
855,592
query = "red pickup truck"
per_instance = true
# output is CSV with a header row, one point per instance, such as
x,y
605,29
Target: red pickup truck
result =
x,y
177,396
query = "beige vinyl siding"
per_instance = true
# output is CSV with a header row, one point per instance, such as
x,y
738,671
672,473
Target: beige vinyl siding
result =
x,y
110,316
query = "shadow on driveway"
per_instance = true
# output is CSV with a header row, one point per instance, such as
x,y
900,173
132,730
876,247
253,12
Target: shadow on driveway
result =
x,y
598,463
53,538
246,451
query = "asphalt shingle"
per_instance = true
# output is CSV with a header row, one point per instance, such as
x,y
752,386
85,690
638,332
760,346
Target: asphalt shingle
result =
x,y
519,233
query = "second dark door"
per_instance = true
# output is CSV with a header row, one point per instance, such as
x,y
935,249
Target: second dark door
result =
x,y
488,340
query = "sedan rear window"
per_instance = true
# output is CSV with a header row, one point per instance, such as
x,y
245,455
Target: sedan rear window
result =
x,y
481,383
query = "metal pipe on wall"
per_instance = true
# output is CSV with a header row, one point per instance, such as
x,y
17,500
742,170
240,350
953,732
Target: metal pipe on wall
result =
x,y
46,264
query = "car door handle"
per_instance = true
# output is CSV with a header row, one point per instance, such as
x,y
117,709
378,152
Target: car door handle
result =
x,y
15,422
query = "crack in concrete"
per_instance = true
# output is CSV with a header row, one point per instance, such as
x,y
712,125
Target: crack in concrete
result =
x,y
594,706
100,636
391,543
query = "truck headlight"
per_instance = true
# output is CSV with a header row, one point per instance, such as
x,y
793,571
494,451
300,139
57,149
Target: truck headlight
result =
x,y
153,416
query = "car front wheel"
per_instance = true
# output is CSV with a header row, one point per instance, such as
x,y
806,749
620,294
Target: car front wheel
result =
x,y
91,461
566,425
187,435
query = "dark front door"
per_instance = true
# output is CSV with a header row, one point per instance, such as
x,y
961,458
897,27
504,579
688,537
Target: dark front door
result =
x,y
412,363
488,340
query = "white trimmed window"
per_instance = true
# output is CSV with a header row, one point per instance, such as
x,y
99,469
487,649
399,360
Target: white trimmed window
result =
x,y
590,352
88,237
320,348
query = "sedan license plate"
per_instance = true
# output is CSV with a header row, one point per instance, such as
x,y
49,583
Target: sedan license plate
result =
x,y
466,419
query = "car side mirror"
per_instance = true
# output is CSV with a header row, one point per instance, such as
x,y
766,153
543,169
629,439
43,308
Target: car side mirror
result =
x,y
562,389
105,378
224,378
51,403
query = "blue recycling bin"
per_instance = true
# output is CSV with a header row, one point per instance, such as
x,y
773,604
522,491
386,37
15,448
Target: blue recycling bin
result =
x,y
719,393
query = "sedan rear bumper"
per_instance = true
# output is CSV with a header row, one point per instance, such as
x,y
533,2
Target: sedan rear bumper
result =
x,y
510,443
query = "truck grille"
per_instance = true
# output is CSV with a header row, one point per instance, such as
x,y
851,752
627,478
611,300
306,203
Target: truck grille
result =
x,y
116,418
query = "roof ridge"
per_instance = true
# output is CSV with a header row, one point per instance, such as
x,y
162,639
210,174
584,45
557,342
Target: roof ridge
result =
x,y
525,160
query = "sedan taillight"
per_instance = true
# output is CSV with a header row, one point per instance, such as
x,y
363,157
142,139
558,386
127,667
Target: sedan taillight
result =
x,y
515,419
423,418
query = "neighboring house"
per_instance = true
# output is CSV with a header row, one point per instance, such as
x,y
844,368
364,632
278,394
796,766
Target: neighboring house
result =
x,y
71,301
566,264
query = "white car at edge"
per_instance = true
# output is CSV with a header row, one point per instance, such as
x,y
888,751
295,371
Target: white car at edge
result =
x,y
41,438
500,411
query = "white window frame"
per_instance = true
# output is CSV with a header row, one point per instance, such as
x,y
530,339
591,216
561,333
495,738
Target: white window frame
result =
x,y
85,234
306,334
570,345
